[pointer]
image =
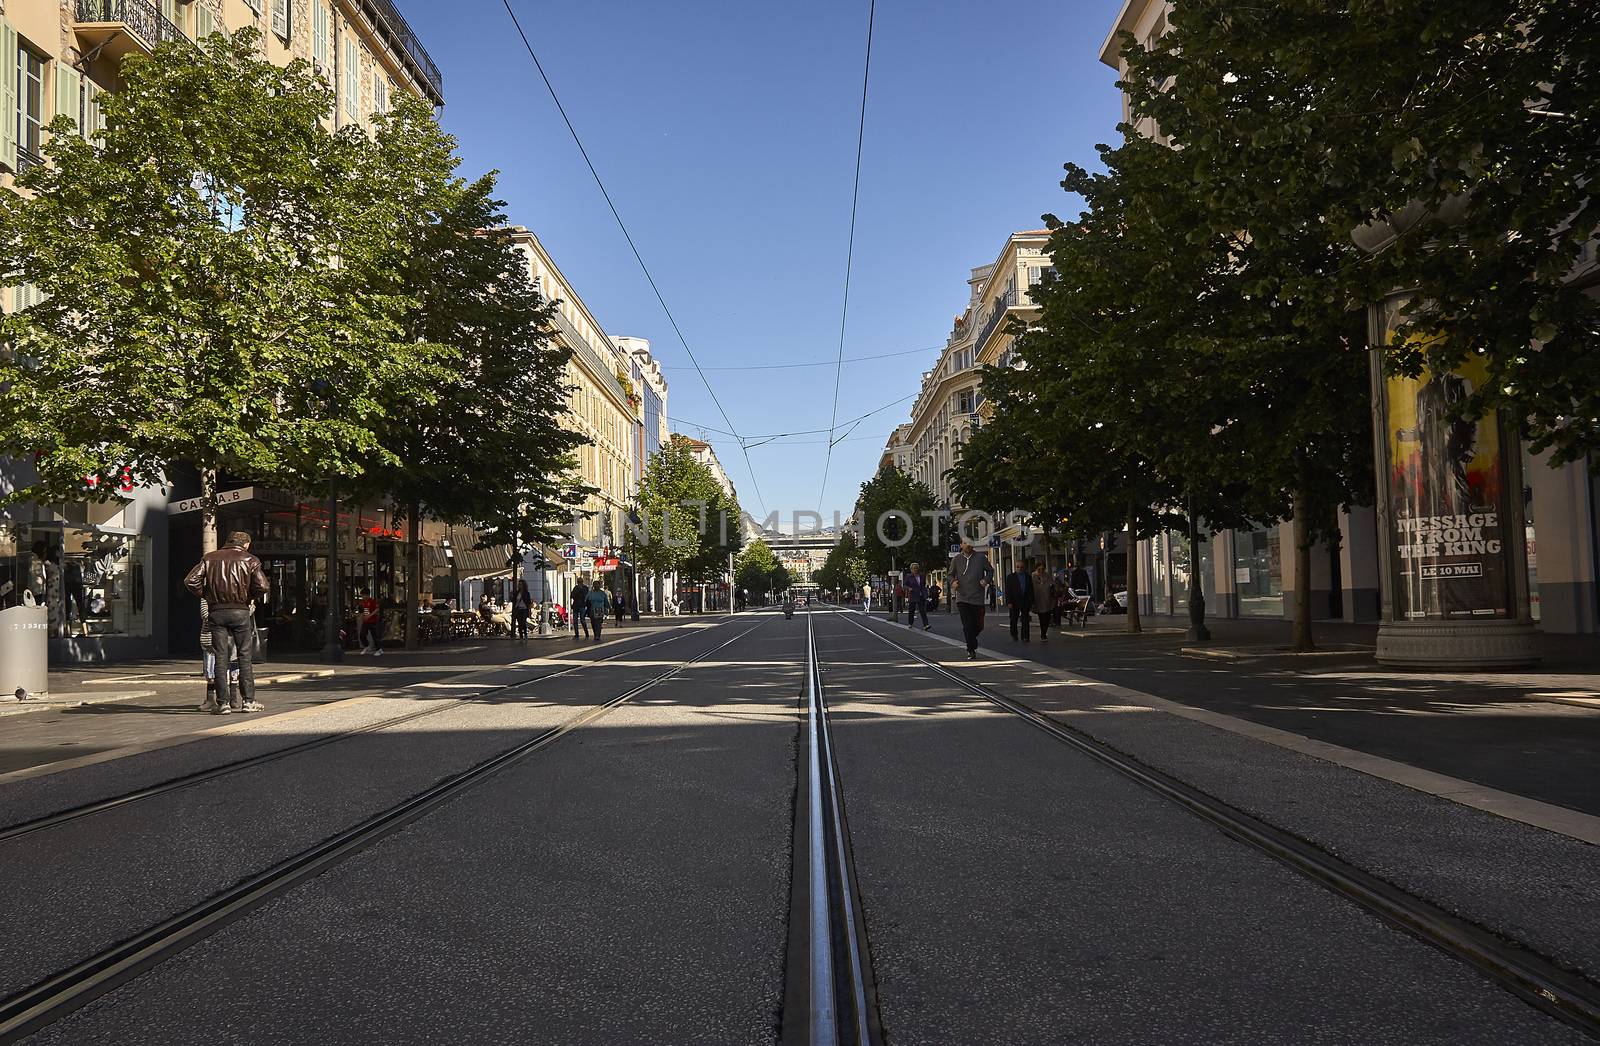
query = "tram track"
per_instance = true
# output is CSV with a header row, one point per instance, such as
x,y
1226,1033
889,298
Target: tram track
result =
x,y
1569,997
52,998
837,998
20,829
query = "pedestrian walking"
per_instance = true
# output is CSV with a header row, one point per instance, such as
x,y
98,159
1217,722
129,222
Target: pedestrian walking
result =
x,y
580,609
229,579
217,702
934,591
521,609
1019,598
916,587
971,578
371,623
620,605
1044,598
599,603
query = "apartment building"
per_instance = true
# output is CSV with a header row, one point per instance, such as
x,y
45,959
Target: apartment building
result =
x,y
950,403
107,571
650,385
605,406
706,455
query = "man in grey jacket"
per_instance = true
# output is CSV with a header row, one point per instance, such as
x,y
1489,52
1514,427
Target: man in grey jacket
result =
x,y
971,577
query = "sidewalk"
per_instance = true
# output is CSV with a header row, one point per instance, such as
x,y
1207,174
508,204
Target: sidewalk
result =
x,y
1531,732
100,708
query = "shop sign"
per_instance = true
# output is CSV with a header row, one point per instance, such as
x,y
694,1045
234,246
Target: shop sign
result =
x,y
291,548
1447,496
605,563
229,497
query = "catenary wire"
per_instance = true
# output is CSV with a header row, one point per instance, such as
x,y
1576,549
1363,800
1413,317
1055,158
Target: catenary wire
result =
x,y
797,432
850,251
832,363
636,254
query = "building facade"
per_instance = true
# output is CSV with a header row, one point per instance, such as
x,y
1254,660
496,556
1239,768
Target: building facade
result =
x,y
108,571
606,407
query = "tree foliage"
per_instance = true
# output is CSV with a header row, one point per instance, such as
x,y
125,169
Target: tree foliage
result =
x,y
492,449
1311,119
845,568
208,298
689,522
898,521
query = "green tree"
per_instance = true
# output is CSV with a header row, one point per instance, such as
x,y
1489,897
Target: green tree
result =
x,y
780,579
898,521
205,299
845,568
1305,121
753,570
688,523
492,450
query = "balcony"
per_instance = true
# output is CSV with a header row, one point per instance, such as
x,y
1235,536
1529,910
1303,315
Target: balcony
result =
x,y
404,43
589,357
115,28
997,315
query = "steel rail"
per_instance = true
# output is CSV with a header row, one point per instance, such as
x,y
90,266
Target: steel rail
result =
x,y
58,995
22,828
1564,995
836,934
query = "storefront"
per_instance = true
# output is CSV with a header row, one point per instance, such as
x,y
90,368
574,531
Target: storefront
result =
x,y
1258,571
100,567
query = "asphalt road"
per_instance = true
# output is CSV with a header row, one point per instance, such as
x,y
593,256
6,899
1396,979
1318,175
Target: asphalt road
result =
x,y
1016,891
631,883
1480,728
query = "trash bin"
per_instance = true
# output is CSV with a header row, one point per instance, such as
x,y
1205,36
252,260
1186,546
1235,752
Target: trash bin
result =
x,y
25,652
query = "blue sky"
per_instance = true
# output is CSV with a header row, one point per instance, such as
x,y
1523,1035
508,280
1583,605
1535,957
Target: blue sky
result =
x,y
726,135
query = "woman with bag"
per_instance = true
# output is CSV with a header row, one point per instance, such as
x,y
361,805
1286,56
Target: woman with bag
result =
x,y
521,609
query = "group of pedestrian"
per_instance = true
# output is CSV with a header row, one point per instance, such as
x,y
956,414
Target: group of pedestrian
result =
x,y
589,607
229,582
1036,593
1031,592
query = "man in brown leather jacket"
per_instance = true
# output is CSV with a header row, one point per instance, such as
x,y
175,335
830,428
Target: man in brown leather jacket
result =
x,y
229,579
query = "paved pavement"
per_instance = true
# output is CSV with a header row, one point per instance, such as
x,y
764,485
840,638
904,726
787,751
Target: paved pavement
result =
x,y
631,882
1505,730
104,708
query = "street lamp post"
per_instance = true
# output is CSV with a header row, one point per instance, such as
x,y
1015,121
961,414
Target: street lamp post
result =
x,y
333,647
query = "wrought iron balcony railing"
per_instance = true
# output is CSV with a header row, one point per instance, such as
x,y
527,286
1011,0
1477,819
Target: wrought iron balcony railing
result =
x,y
589,356
142,19
399,36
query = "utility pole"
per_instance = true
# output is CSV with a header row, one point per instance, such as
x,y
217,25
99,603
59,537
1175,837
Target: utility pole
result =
x,y
333,649
730,584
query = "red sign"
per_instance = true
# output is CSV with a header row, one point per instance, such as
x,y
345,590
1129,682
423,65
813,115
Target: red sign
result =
x,y
605,563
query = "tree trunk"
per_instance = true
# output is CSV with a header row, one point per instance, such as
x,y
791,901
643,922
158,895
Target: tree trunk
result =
x,y
1133,571
1302,574
414,571
333,648
208,510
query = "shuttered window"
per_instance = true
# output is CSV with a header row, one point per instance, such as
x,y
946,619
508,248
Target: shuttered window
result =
x,y
321,37
69,94
8,95
352,79
380,92
205,23
281,18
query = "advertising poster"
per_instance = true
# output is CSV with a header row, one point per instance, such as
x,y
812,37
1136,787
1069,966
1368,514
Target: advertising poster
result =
x,y
1447,496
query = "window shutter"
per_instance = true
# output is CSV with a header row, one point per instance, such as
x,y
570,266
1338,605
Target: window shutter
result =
x,y
68,86
352,80
8,95
280,18
205,23
93,115
169,10
319,36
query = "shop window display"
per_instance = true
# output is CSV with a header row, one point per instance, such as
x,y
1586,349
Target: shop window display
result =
x,y
95,582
